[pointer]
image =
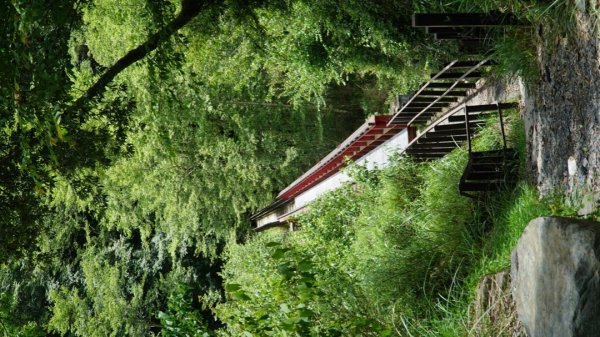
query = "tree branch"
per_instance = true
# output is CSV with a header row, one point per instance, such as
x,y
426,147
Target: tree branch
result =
x,y
190,9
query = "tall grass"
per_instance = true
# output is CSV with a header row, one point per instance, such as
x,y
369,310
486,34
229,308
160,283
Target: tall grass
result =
x,y
509,213
515,47
405,255
534,11
501,219
421,247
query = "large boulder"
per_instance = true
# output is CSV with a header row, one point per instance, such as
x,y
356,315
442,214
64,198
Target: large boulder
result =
x,y
556,278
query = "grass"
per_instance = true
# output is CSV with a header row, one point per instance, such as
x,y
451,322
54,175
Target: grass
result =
x,y
509,212
516,57
499,223
434,243
514,46
560,12
409,251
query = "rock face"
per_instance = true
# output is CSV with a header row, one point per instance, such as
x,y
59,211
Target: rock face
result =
x,y
562,110
556,278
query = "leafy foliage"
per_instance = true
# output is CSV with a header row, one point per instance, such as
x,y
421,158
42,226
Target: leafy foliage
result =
x,y
116,213
371,253
399,257
180,318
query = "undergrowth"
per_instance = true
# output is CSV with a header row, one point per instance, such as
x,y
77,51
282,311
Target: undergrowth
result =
x,y
514,47
402,257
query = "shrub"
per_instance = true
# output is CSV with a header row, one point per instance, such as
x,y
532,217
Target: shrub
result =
x,y
402,254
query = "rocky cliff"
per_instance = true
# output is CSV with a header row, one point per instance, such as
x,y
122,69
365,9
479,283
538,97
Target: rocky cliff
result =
x,y
563,110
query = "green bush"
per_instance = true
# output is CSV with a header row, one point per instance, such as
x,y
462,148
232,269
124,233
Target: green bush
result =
x,y
375,256
299,284
401,254
180,318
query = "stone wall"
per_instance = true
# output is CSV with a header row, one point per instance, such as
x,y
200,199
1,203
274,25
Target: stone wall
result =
x,y
562,111
498,90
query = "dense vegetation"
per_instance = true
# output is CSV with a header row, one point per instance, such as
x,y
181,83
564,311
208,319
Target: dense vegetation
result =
x,y
402,257
137,137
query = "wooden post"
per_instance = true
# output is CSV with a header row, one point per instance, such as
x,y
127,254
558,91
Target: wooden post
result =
x,y
499,107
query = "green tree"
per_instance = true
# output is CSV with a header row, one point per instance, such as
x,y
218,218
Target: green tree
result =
x,y
189,10
138,136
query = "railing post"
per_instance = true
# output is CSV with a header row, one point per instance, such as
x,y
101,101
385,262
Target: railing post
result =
x,y
467,127
501,125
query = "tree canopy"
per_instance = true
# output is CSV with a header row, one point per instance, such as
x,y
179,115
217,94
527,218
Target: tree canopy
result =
x,y
138,136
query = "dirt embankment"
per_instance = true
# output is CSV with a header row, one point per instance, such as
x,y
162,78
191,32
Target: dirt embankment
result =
x,y
563,110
